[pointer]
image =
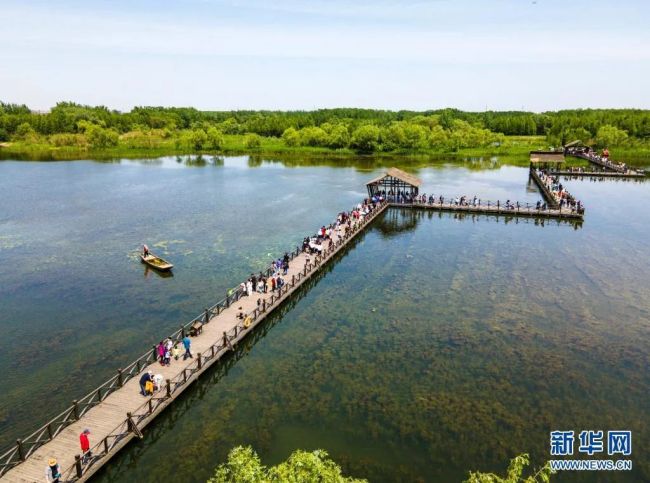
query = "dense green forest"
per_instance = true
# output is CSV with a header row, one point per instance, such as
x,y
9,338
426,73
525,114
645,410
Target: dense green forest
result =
x,y
70,125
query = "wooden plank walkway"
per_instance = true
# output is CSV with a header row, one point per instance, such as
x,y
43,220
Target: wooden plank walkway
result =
x,y
120,416
546,192
598,174
607,164
495,209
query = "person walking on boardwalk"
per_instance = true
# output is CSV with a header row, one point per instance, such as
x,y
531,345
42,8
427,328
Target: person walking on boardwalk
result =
x,y
52,471
85,445
187,343
161,352
146,377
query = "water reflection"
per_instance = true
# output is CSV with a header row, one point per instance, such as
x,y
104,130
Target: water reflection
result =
x,y
401,220
148,271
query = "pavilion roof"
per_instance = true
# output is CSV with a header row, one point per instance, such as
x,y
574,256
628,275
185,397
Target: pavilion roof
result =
x,y
399,174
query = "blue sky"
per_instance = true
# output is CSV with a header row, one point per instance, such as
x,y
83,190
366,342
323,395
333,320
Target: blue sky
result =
x,y
289,54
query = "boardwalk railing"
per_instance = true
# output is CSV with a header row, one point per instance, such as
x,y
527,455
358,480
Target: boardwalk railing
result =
x,y
130,427
605,162
491,207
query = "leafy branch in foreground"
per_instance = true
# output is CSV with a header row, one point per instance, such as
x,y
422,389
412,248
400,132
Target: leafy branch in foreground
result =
x,y
245,466
515,469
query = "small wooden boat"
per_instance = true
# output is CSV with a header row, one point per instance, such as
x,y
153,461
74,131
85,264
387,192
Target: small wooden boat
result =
x,y
156,262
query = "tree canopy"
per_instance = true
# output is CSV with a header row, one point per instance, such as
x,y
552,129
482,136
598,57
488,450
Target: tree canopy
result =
x,y
245,466
364,130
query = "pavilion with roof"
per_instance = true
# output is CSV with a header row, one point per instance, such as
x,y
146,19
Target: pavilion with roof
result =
x,y
394,182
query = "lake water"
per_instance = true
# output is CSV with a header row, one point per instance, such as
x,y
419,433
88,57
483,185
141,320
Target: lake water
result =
x,y
436,345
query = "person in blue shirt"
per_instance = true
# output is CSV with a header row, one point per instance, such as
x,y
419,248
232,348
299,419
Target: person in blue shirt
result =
x,y
147,376
186,344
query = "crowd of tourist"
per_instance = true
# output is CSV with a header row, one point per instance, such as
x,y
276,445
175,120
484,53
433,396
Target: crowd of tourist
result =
x,y
563,198
588,153
269,282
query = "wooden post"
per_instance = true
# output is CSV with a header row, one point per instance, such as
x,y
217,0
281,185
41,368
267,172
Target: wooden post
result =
x,y
50,433
225,339
75,410
99,394
182,332
21,453
132,426
155,353
212,350
264,305
77,464
207,316
200,363
120,378
150,402
168,383
184,375
138,365
105,445
293,280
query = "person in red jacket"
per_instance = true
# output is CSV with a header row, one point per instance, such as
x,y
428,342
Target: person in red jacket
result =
x,y
85,444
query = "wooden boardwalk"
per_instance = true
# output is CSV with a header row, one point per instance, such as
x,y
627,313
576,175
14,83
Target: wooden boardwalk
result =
x,y
597,174
495,209
117,418
608,165
552,201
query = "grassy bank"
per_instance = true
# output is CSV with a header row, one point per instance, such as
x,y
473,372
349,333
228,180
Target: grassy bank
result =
x,y
513,151
42,150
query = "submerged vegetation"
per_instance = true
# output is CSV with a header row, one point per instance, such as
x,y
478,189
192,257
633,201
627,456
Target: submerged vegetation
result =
x,y
69,129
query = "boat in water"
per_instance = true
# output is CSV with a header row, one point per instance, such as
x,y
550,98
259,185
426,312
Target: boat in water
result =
x,y
156,262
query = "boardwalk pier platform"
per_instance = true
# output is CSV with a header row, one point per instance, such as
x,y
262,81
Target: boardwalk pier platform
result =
x,y
116,412
497,208
596,174
577,150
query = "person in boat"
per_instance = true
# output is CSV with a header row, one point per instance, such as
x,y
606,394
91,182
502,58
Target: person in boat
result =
x,y
145,250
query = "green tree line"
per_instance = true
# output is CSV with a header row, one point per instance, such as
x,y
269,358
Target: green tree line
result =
x,y
365,130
